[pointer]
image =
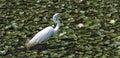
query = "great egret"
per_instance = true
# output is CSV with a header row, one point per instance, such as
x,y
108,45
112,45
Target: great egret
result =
x,y
45,33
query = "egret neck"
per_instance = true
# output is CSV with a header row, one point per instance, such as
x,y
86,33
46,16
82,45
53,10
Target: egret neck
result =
x,y
57,27
56,21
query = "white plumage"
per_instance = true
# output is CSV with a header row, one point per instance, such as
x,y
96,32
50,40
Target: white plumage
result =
x,y
41,36
45,33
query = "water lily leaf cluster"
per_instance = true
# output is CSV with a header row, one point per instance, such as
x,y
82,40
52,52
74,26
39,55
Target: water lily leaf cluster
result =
x,y
91,29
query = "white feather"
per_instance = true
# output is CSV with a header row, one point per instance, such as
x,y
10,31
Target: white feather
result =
x,y
42,35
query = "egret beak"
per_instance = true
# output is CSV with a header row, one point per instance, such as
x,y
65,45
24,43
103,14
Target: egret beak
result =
x,y
64,15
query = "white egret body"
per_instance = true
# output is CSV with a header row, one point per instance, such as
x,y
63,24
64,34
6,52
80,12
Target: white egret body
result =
x,y
45,33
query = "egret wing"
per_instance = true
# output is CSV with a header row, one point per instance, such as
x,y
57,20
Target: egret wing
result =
x,y
45,34
42,35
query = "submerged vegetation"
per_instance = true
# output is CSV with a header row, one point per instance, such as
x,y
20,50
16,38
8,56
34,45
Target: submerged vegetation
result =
x,y
91,30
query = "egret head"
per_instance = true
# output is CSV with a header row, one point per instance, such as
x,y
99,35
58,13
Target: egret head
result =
x,y
56,15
